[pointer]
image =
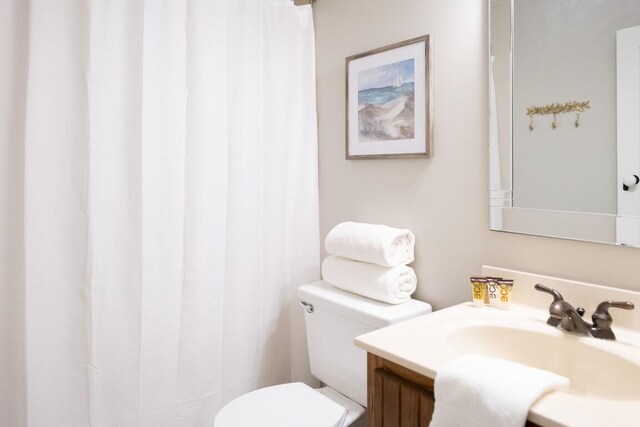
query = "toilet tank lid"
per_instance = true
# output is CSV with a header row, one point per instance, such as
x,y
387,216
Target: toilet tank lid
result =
x,y
366,310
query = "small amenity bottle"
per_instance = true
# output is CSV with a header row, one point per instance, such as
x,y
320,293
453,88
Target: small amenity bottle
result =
x,y
478,290
505,289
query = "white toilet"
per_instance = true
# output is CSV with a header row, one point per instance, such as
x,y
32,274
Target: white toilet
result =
x,y
333,319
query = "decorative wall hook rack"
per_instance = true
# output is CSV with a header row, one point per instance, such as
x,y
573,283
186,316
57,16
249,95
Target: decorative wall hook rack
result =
x,y
558,108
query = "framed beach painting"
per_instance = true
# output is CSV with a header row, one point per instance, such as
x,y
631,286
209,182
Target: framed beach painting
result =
x,y
389,104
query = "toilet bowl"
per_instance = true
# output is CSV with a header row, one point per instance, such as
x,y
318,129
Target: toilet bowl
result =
x,y
333,318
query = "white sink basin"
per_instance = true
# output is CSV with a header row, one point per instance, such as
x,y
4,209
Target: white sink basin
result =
x,y
592,371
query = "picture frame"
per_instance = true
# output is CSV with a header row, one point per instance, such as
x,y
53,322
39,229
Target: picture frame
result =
x,y
389,103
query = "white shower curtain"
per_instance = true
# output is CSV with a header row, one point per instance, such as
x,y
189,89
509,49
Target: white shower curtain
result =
x,y
158,205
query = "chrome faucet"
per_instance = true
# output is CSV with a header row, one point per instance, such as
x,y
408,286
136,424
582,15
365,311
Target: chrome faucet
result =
x,y
570,319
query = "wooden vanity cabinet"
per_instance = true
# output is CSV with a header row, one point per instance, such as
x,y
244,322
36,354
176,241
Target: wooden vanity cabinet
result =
x,y
399,397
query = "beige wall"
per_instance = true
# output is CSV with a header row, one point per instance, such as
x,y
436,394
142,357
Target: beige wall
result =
x,y
443,199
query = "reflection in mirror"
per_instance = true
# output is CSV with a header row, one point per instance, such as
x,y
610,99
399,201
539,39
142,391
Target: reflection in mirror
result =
x,y
564,95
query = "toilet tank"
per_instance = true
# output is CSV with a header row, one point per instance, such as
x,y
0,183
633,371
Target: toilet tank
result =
x,y
335,319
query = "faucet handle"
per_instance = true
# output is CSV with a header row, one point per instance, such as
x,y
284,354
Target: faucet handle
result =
x,y
602,319
602,312
556,295
555,308
625,305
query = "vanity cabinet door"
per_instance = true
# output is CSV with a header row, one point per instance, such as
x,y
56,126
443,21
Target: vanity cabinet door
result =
x,y
398,397
399,403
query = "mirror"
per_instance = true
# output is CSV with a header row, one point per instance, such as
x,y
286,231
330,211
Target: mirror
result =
x,y
564,121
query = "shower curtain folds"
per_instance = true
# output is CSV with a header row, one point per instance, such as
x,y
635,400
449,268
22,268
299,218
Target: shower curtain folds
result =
x,y
158,206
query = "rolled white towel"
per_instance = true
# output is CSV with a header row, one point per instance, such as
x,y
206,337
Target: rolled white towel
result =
x,y
377,244
392,285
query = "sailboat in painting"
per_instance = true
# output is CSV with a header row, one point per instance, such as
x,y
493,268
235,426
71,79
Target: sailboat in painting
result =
x,y
398,82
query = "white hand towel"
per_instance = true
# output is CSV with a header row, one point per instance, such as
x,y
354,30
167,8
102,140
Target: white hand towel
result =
x,y
393,285
377,244
480,391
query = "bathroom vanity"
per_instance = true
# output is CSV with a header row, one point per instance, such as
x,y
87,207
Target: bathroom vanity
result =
x,y
604,374
398,396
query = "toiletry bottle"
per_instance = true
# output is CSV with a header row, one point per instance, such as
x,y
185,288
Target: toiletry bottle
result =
x,y
478,290
492,290
505,289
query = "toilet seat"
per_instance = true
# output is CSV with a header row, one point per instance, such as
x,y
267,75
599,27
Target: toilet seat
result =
x,y
284,405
